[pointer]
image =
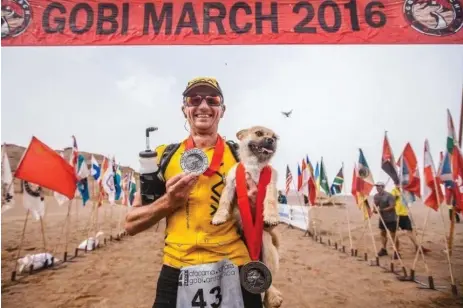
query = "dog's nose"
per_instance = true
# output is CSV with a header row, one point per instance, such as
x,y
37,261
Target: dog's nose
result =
x,y
269,140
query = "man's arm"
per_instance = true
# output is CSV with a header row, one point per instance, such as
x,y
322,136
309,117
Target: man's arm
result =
x,y
141,218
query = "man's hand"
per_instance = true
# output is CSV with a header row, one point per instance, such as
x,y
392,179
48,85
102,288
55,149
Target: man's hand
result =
x,y
178,189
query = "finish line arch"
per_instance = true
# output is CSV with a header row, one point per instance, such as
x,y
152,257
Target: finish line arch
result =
x,y
228,22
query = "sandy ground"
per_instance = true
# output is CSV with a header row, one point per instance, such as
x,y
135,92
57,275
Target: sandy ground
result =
x,y
124,273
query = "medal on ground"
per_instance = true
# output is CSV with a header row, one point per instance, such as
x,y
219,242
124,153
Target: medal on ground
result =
x,y
255,277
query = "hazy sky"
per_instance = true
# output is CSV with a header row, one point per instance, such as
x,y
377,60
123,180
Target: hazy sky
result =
x,y
343,97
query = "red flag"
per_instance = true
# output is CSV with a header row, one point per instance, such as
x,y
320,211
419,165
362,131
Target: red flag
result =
x,y
457,174
410,175
41,165
432,195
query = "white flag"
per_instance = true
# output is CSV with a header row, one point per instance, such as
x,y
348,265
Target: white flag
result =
x,y
7,183
33,200
108,183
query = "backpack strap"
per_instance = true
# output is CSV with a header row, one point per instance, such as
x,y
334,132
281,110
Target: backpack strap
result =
x,y
166,155
234,147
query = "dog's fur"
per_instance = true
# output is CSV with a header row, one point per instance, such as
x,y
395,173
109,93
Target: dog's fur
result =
x,y
257,145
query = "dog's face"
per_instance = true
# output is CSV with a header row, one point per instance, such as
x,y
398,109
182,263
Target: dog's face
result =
x,y
258,141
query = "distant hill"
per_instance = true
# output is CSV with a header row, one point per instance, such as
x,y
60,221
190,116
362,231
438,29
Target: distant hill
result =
x,y
15,153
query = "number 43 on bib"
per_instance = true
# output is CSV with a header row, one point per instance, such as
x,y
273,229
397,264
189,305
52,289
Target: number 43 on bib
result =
x,y
210,285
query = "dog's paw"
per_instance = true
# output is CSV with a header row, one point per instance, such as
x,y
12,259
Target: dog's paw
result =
x,y
219,218
273,298
271,220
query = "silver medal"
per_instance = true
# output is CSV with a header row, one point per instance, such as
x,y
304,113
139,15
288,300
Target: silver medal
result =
x,y
194,161
255,277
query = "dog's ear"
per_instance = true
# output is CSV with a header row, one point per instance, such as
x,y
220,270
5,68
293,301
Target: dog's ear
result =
x,y
240,135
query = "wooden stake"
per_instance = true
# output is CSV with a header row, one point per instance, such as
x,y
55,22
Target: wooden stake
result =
x,y
21,241
452,279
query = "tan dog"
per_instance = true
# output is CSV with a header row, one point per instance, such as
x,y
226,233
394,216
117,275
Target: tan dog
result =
x,y
257,147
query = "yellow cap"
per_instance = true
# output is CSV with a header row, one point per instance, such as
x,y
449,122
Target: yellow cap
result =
x,y
203,81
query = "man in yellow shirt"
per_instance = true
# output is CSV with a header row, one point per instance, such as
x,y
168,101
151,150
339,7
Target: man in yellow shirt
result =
x,y
188,204
404,222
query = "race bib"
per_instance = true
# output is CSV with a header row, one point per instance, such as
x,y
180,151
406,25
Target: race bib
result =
x,y
210,285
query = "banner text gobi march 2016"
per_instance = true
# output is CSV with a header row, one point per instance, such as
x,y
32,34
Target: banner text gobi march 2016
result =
x,y
220,18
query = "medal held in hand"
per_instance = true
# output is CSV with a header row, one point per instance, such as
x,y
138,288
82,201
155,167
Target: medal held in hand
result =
x,y
194,161
255,276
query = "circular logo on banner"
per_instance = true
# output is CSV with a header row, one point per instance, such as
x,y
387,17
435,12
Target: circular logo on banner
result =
x,y
16,17
434,17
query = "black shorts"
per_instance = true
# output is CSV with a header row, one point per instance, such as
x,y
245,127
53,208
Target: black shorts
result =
x,y
405,223
166,291
391,226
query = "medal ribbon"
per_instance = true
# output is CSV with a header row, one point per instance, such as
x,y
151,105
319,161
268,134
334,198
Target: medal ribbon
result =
x,y
216,157
252,229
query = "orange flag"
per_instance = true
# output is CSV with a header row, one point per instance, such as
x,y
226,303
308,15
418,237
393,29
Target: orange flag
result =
x,y
41,165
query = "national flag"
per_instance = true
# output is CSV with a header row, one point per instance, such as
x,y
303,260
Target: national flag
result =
x,y
75,154
95,169
354,184
289,179
108,182
309,165
317,176
324,179
432,191
305,175
336,186
60,198
312,186
444,172
451,135
7,183
409,172
457,175
299,178
133,187
117,180
124,186
83,173
41,165
101,189
365,180
388,161
33,199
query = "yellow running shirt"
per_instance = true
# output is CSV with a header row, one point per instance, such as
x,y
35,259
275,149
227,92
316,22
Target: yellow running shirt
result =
x,y
190,238
400,208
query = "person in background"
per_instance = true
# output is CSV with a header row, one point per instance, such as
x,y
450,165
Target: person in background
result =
x,y
403,220
386,205
282,198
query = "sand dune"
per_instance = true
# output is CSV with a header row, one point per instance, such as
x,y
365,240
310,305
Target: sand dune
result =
x,y
124,273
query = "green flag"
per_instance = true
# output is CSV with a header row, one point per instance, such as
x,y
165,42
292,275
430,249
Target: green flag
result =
x,y
451,135
324,179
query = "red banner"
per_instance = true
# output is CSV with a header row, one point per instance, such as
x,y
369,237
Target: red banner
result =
x,y
226,22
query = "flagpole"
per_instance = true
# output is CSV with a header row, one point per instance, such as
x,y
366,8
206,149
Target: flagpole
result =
x,y
347,215
13,274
